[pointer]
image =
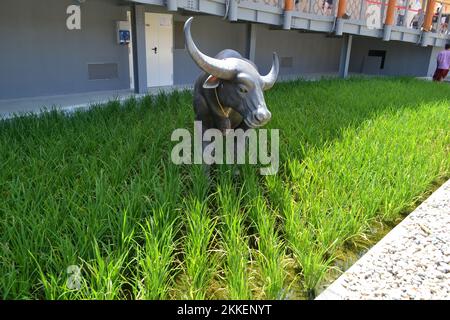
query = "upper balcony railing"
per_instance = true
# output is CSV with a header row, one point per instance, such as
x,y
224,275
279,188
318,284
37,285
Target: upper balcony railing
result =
x,y
318,7
407,13
416,21
412,14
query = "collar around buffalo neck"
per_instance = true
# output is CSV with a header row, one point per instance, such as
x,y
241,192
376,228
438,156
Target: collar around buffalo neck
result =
x,y
225,113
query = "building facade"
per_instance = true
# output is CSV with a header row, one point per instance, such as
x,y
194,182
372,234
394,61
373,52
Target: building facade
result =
x,y
59,47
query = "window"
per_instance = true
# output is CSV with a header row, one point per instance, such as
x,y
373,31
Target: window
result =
x,y
378,53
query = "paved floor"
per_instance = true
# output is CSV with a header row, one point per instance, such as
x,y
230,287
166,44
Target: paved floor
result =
x,y
411,262
70,102
10,107
431,79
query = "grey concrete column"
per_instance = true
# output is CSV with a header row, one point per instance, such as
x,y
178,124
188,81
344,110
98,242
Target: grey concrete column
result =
x,y
339,27
251,42
387,32
139,48
344,61
172,5
287,20
425,39
233,10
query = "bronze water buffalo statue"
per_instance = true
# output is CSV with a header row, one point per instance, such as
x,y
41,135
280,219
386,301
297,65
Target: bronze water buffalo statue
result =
x,y
229,92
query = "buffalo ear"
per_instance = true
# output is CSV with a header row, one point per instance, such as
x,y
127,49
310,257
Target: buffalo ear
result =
x,y
211,83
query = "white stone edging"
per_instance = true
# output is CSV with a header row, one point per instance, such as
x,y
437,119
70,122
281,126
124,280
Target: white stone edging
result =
x,y
411,262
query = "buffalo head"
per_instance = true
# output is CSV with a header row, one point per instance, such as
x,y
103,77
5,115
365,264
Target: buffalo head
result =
x,y
240,84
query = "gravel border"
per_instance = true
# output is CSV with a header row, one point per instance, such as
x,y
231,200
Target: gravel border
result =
x,y
410,262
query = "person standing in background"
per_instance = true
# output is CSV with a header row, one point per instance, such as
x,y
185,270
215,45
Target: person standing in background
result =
x,y
413,8
401,12
443,25
327,7
443,64
418,20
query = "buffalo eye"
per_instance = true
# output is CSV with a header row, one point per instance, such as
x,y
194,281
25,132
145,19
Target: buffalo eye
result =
x,y
243,89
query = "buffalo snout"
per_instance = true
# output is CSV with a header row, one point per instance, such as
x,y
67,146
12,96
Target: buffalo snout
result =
x,y
259,118
262,115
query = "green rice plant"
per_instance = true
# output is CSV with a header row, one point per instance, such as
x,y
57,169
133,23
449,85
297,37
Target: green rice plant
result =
x,y
200,262
101,278
269,251
156,258
233,237
308,255
96,189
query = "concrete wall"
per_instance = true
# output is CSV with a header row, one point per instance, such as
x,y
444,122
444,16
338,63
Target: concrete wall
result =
x,y
40,56
401,58
310,52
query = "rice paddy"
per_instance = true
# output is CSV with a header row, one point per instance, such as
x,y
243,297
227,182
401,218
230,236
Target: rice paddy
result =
x,y
97,190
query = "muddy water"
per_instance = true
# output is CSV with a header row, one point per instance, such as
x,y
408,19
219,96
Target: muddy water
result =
x,y
351,253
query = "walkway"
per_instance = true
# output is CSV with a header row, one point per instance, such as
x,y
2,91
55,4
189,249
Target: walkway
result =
x,y
72,102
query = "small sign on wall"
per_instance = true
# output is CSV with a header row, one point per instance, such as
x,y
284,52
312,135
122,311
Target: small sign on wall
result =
x,y
73,21
165,21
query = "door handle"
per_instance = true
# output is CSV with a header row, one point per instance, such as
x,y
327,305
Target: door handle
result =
x,y
155,49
